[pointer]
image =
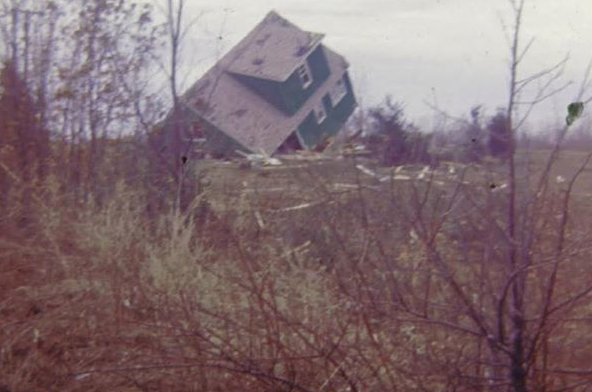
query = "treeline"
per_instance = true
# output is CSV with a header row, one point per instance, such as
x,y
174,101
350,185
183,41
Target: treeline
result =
x,y
394,140
79,105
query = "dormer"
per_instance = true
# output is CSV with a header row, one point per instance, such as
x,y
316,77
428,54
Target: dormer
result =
x,y
281,63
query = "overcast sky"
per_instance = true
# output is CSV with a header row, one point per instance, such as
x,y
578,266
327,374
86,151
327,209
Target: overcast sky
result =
x,y
451,51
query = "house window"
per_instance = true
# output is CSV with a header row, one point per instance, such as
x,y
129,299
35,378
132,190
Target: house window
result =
x,y
304,75
338,91
320,113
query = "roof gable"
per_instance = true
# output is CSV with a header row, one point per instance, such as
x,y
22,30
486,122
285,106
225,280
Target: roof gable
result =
x,y
273,49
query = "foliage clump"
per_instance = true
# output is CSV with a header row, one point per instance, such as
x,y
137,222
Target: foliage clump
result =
x,y
499,135
393,138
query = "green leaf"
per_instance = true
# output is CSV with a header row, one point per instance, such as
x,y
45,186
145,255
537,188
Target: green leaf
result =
x,y
574,111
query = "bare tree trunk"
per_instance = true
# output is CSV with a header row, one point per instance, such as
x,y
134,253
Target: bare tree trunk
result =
x,y
174,15
518,372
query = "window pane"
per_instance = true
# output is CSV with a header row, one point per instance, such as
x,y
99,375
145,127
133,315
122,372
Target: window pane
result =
x,y
338,92
304,75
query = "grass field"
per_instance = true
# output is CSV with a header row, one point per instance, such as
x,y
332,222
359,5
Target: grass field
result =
x,y
305,276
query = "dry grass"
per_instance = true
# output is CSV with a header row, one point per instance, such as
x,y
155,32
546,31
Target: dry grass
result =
x,y
278,278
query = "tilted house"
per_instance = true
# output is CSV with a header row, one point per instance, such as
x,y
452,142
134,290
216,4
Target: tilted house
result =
x,y
278,88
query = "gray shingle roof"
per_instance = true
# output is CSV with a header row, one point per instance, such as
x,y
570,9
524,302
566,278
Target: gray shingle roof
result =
x,y
274,49
232,107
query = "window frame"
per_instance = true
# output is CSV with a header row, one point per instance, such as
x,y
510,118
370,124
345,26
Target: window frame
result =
x,y
320,108
303,72
338,93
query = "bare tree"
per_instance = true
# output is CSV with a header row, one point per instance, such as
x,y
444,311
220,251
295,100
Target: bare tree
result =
x,y
504,311
174,24
175,127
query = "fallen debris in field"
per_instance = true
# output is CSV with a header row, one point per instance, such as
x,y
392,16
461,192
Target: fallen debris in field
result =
x,y
367,171
259,220
355,150
260,189
306,156
400,177
302,206
261,158
423,172
296,250
413,236
502,186
346,186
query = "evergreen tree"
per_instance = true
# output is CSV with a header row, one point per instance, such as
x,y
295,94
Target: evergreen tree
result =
x,y
499,135
398,140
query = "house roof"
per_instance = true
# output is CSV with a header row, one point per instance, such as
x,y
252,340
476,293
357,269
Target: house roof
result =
x,y
273,49
236,110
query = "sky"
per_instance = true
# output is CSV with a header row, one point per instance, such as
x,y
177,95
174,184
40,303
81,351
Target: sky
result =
x,y
452,53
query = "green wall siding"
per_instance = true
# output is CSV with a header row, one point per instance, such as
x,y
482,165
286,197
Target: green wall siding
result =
x,y
313,134
294,96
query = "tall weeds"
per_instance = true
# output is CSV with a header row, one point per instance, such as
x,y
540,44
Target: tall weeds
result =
x,y
336,288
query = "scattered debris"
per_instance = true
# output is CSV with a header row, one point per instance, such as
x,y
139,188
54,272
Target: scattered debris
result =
x,y
355,150
36,336
259,220
302,206
258,190
495,187
262,158
297,249
401,177
423,172
346,186
82,376
365,170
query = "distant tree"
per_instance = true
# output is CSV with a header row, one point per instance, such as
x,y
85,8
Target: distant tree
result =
x,y
468,140
389,121
499,135
475,147
395,138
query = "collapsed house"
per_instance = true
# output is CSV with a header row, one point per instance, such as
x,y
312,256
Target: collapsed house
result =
x,y
279,89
